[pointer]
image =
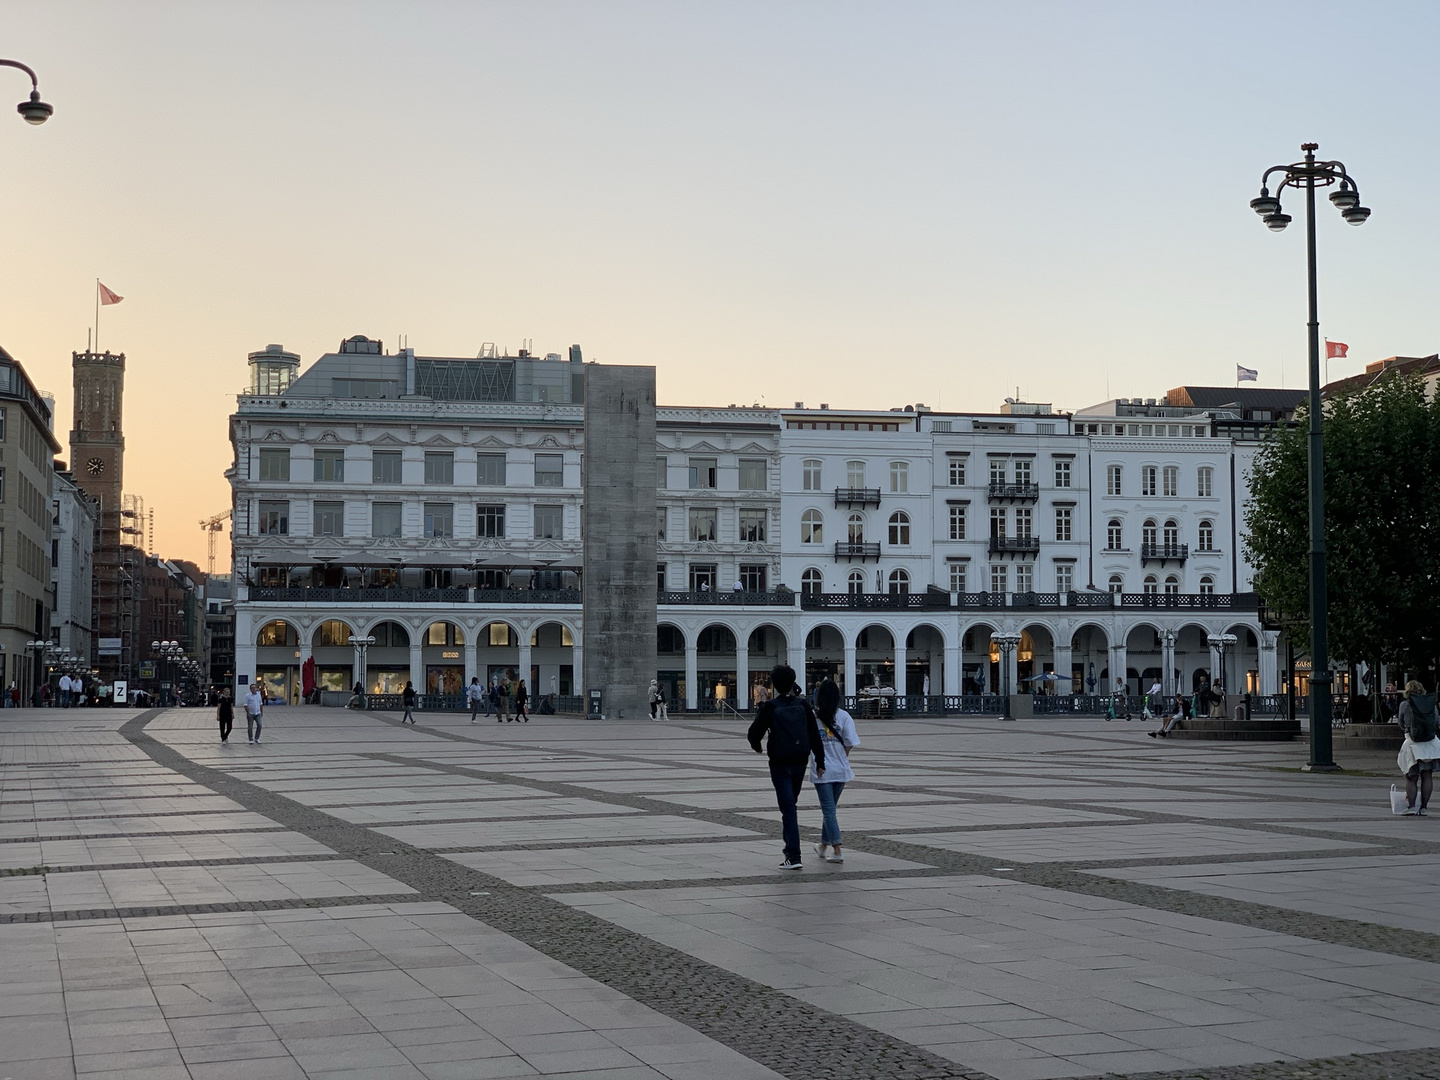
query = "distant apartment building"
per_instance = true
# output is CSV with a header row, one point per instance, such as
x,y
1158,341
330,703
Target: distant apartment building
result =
x,y
72,569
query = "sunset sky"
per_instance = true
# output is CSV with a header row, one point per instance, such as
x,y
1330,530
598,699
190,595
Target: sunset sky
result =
x,y
865,204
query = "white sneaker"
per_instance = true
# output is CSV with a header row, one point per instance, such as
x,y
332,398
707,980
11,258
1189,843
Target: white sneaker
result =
x,y
1410,811
821,849
834,856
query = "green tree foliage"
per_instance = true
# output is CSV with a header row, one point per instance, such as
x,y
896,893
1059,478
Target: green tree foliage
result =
x,y
1382,525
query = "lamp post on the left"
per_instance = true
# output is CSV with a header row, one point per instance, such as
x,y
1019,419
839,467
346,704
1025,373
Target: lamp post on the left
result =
x,y
34,111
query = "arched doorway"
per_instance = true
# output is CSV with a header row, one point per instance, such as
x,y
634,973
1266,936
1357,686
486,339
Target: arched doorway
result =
x,y
715,665
766,647
1144,658
442,651
277,661
497,653
874,659
670,661
979,661
1035,656
334,655
825,657
1089,659
387,662
924,662
552,659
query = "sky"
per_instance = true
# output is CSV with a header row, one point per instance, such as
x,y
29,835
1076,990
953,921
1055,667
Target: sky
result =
x,y
867,204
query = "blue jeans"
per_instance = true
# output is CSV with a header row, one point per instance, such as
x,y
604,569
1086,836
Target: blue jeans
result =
x,y
829,795
788,781
252,725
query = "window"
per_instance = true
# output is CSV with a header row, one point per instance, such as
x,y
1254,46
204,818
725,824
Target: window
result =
x,y
490,521
274,633
1207,536
702,577
1171,481
2,485
899,582
1064,517
899,529
855,583
703,522
1114,536
702,472
439,519
1171,535
492,579
999,518
385,518
855,528
1024,522
899,476
957,577
499,634
810,474
957,523
812,582
274,519
999,578
1148,475
549,523
1117,583
333,633
662,471
753,474
329,519
1062,474
1064,577
385,466
752,526
549,470
1172,585
1024,577
274,463
490,470
1151,588
997,470
1023,473
1207,585
957,472
812,527
660,579
660,514
752,577
855,474
1205,481
1147,532
439,467
329,464
1113,474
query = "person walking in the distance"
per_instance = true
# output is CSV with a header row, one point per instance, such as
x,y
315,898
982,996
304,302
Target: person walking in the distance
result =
x,y
521,697
408,698
254,712
838,734
794,736
1420,752
475,695
225,713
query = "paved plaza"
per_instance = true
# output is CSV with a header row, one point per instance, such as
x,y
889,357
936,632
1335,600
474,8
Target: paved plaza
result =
x,y
1045,898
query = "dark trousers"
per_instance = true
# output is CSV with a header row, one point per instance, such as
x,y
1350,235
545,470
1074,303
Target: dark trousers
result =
x,y
789,781
252,725
225,725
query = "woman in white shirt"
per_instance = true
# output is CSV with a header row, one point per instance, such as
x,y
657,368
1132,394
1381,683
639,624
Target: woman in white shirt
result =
x,y
837,732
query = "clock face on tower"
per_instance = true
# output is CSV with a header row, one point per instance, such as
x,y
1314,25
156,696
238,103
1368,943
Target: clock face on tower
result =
x,y
95,466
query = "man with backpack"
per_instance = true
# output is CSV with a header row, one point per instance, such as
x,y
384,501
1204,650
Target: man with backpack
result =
x,y
794,737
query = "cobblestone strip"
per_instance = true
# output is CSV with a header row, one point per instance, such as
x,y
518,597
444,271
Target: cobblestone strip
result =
x,y
161,910
168,864
1390,1065
134,835
107,817
766,1025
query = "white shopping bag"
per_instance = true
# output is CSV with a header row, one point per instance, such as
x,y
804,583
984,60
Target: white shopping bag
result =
x,y
1398,802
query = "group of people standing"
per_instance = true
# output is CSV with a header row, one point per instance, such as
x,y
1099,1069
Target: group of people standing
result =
x,y
503,696
797,736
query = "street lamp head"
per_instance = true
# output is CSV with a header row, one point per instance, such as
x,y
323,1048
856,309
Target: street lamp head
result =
x,y
1277,221
1356,215
34,111
1266,204
1344,197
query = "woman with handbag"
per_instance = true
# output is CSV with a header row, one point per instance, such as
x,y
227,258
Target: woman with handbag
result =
x,y
838,735
1420,752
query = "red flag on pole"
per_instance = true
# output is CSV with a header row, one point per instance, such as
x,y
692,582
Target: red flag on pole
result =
x,y
108,296
1335,349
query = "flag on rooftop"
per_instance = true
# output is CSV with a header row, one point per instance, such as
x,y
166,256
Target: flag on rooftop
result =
x,y
1336,350
108,295
1245,374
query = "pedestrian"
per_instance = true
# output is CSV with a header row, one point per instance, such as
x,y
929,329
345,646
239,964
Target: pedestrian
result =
x,y
1421,749
408,699
1177,714
794,736
1152,698
494,695
839,737
656,698
503,700
475,696
1120,702
254,712
521,696
225,713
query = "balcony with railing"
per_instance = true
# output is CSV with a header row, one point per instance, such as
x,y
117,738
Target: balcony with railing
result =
x,y
907,601
376,594
857,496
1014,545
855,549
527,596
1192,601
726,597
1164,552
1001,491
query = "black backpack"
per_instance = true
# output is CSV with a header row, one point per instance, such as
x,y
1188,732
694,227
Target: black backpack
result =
x,y
1424,722
789,730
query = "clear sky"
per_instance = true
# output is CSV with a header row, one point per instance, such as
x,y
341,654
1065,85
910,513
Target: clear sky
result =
x,y
864,204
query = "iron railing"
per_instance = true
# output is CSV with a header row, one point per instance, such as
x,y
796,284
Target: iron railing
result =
x,y
527,596
1014,544
1164,552
925,601
857,550
733,597
857,496
367,594
1018,492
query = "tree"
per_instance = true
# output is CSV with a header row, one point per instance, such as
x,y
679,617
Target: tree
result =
x,y
1382,525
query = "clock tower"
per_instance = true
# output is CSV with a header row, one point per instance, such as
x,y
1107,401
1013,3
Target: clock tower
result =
x,y
97,441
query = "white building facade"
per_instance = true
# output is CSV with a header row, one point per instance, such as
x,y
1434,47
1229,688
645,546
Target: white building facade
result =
x,y
72,567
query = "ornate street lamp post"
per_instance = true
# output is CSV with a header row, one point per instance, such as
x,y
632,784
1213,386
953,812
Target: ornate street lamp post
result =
x,y
362,645
34,111
1007,641
1308,175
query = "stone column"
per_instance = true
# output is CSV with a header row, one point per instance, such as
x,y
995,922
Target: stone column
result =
x,y
618,535
692,678
1119,664
524,672
795,657
851,672
472,658
900,658
577,666
952,671
742,674
1013,663
1063,661
1270,677
417,665
246,654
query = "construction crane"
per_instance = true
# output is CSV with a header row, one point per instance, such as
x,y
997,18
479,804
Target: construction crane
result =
x,y
211,526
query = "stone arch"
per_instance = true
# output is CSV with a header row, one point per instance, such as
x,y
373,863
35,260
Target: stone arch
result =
x,y
875,656
442,632
717,664
824,655
925,647
1038,640
389,633
1192,657
332,634
1090,655
278,633
1144,648
979,674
